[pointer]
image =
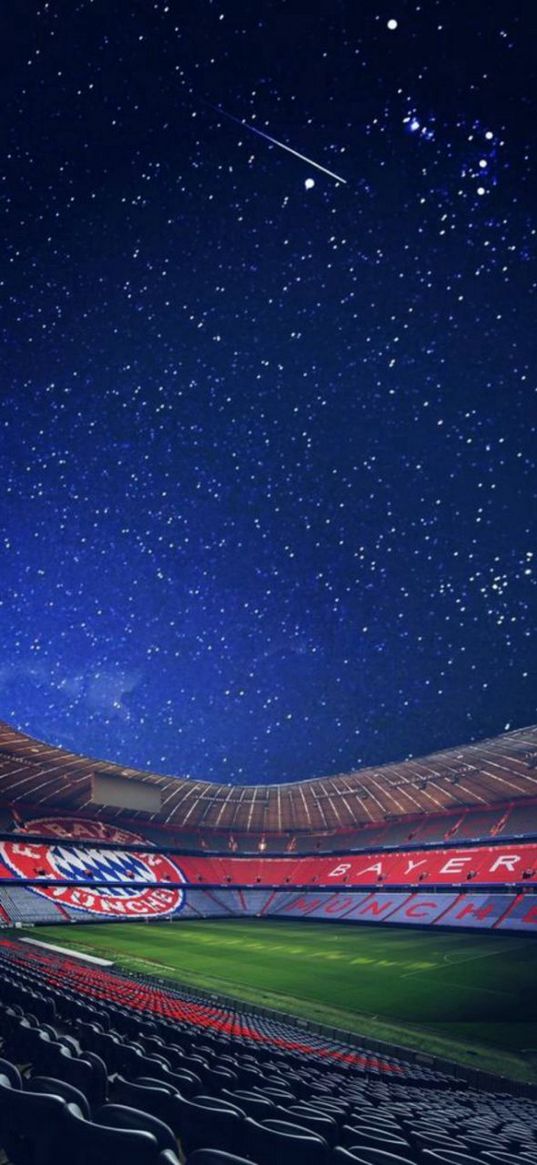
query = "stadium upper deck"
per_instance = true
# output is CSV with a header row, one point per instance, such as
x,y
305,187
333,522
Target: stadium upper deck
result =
x,y
492,773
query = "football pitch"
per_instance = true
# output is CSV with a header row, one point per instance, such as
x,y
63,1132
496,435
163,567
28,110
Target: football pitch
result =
x,y
469,997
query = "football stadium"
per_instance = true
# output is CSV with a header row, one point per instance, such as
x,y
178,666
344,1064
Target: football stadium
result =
x,y
342,966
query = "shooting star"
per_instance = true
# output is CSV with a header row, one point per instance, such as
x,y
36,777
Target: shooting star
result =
x,y
282,145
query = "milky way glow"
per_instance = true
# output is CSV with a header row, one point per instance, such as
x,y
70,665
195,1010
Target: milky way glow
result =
x,y
267,442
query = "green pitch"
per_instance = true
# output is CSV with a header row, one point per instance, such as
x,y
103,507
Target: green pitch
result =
x,y
470,997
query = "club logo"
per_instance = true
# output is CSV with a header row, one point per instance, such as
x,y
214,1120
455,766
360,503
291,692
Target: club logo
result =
x,y
65,860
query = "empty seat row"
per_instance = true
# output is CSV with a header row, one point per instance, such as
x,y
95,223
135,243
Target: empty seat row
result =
x,y
103,1059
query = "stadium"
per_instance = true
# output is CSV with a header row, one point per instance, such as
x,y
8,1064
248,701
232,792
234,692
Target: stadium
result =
x,y
348,973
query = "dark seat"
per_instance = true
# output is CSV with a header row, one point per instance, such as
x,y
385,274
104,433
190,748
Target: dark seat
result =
x,y
341,1156
67,1041
335,1108
184,1080
33,1126
210,1127
214,1124
432,1140
145,1096
220,1102
319,1123
11,1073
503,1157
214,1157
278,1095
121,1116
215,1079
108,1047
285,1143
260,1107
383,1156
68,1092
86,1072
150,1082
89,1143
447,1157
375,1137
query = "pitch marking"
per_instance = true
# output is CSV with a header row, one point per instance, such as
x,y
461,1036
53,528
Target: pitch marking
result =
x,y
448,961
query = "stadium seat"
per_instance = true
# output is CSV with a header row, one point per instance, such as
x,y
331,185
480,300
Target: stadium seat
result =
x,y
374,1136
278,1095
499,1157
199,1126
287,1143
153,1082
325,1126
32,1126
341,1156
88,1143
446,1157
214,1157
382,1156
218,1078
436,1141
212,1127
120,1116
147,1097
11,1073
259,1107
68,1092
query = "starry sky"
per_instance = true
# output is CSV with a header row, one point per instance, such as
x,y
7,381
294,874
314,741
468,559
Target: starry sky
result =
x,y
267,435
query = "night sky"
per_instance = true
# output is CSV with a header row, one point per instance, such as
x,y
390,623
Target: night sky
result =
x,y
267,437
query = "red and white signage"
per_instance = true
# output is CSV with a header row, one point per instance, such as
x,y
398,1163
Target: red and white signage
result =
x,y
59,862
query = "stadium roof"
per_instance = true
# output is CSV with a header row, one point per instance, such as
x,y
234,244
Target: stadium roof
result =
x,y
496,771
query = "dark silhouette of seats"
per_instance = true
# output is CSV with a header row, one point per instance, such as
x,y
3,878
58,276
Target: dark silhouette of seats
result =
x,y
434,1140
87,1074
284,1142
119,1116
325,1126
185,1082
448,1157
68,1092
149,1097
341,1156
260,1107
11,1073
206,1126
373,1136
214,1157
32,1125
153,1082
278,1095
382,1156
503,1157
212,1123
217,1078
90,1142
219,1102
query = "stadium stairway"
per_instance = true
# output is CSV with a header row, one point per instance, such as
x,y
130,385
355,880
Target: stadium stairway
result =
x,y
98,1066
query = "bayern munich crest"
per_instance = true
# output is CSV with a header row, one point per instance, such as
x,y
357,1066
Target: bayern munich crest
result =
x,y
93,867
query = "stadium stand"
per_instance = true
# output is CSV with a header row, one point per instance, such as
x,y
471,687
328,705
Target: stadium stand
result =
x,y
22,905
478,825
116,1069
510,911
522,821
70,881
436,829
